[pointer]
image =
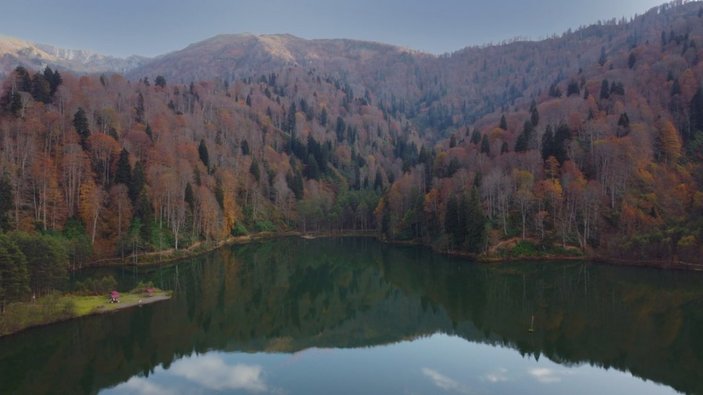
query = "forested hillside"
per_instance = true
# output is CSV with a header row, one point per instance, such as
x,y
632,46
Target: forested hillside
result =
x,y
590,142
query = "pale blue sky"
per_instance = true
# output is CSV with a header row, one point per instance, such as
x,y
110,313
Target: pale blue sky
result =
x,y
150,27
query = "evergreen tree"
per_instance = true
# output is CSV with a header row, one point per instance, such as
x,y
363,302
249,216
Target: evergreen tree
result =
x,y
15,105
160,81
14,276
696,118
561,138
312,170
139,109
123,174
80,123
534,114
323,117
189,197
573,88
291,122
149,132
6,199
219,193
137,180
295,183
503,123
47,260
378,181
547,143
451,219
23,79
475,137
504,149
603,57
41,90
245,147
524,140
485,145
203,153
254,170
675,88
475,224
604,90
54,79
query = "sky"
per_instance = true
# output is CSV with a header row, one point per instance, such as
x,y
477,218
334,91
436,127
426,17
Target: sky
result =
x,y
151,27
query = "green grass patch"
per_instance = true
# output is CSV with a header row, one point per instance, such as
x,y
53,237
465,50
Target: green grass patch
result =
x,y
56,307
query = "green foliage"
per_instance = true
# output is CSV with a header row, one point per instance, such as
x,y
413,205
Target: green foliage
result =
x,y
265,226
78,246
524,248
143,287
14,276
47,260
239,229
96,286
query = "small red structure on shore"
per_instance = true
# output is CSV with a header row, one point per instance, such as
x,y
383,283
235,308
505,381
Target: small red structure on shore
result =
x,y
114,297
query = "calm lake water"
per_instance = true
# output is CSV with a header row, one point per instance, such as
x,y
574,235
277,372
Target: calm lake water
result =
x,y
354,316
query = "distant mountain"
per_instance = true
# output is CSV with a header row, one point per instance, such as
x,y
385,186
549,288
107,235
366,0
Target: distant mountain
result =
x,y
14,52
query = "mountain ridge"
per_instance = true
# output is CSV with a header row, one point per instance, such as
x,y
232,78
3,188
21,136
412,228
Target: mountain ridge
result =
x,y
16,51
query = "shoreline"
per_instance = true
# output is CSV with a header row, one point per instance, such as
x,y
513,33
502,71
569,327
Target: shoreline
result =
x,y
69,307
158,258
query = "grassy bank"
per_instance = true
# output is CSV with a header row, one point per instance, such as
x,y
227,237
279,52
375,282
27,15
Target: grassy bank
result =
x,y
56,307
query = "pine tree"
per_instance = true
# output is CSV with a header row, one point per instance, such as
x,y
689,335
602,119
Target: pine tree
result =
x,y
254,170
80,123
189,197
136,182
534,114
451,219
5,201
14,276
203,153
475,224
485,145
123,174
41,89
503,123
604,90
160,81
475,137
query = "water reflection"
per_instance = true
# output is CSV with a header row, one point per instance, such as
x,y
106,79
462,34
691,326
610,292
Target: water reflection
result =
x,y
242,315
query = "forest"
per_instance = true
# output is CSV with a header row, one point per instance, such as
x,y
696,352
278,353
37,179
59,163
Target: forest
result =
x,y
589,144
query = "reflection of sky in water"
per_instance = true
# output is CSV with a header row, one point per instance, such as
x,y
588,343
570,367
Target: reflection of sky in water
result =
x,y
439,364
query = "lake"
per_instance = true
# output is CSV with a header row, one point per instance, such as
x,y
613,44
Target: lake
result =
x,y
355,316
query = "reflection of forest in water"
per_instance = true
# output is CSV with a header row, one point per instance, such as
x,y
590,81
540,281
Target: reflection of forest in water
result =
x,y
287,295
